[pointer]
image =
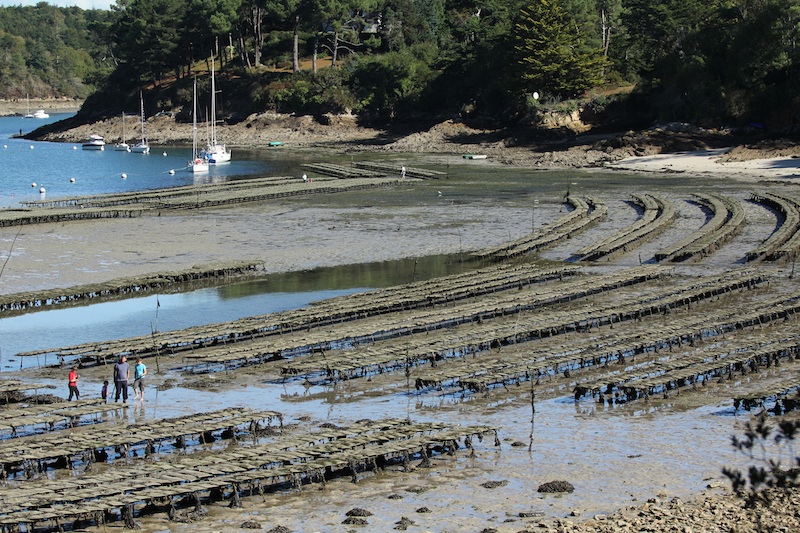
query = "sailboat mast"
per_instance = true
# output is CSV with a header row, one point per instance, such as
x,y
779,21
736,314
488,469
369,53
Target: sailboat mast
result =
x,y
213,105
194,121
141,104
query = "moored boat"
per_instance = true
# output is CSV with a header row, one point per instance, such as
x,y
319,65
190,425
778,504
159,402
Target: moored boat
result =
x,y
199,163
122,146
142,147
95,142
215,152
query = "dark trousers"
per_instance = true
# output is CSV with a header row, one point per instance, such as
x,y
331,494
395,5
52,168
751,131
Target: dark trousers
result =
x,y
121,388
73,390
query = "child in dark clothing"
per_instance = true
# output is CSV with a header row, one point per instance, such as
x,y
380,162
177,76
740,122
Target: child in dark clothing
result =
x,y
104,391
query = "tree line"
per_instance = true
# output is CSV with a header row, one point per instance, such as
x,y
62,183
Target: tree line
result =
x,y
712,62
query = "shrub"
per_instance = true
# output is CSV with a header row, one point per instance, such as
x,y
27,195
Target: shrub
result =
x,y
766,442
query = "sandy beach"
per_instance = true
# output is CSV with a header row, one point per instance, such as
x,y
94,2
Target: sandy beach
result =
x,y
602,452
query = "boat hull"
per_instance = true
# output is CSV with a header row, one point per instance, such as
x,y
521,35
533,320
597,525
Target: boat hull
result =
x,y
198,165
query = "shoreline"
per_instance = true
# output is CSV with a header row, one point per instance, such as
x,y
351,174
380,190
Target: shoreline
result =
x,y
51,105
664,149
317,232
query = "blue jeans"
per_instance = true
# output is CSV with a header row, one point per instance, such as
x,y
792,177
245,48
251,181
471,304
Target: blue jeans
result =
x,y
121,388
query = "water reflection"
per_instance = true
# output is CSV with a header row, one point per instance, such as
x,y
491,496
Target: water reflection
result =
x,y
144,314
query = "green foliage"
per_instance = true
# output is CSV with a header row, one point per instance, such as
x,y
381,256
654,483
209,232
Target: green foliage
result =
x,y
733,60
766,442
385,85
551,56
310,93
50,51
693,60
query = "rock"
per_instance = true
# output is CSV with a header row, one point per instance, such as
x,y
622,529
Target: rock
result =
x,y
355,521
250,524
556,486
280,529
356,511
494,484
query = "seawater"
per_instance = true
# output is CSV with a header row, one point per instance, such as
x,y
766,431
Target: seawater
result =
x,y
65,169
51,165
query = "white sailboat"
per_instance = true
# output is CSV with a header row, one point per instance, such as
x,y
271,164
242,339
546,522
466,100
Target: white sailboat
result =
x,y
28,101
122,146
199,162
215,152
40,113
142,147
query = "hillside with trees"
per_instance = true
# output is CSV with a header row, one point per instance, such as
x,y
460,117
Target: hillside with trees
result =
x,y
52,52
713,63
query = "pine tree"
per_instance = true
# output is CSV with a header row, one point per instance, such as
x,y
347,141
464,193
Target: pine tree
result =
x,y
550,53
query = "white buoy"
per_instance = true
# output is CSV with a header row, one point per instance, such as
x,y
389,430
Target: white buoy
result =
x,y
42,190
124,176
72,180
33,184
5,146
164,154
171,172
74,147
31,147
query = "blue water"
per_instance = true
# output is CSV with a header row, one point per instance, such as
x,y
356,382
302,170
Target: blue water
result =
x,y
54,166
65,169
134,317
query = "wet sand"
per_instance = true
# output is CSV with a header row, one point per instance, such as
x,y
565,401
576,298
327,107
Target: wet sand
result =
x,y
614,456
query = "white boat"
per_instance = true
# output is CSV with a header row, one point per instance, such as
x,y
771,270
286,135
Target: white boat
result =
x,y
40,113
122,146
199,162
215,152
28,114
142,147
95,142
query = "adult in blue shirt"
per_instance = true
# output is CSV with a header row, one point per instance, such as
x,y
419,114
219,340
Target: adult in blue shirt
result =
x,y
139,372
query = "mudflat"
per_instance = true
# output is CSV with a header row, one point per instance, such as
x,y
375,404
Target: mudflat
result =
x,y
650,454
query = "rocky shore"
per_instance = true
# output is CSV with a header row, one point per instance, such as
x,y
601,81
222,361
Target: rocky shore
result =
x,y
557,148
708,514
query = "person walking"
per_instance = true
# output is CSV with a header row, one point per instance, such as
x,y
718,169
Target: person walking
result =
x,y
139,372
73,384
122,373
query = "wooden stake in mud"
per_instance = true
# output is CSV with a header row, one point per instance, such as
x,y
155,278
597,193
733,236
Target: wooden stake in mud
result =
x,y
153,332
533,409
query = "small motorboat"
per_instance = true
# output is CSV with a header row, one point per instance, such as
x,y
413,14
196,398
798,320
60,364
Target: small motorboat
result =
x,y
40,113
95,142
